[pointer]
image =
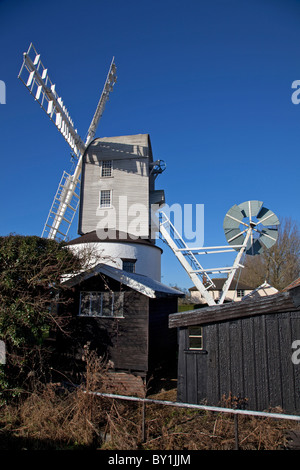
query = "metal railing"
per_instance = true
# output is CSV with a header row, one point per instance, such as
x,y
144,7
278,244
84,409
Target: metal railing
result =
x,y
217,409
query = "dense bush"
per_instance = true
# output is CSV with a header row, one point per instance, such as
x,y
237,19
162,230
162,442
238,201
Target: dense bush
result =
x,y
31,269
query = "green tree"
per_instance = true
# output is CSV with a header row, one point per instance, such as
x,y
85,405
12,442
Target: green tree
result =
x,y
31,269
280,265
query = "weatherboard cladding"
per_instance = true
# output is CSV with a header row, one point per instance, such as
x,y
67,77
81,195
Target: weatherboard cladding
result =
x,y
122,340
247,354
130,156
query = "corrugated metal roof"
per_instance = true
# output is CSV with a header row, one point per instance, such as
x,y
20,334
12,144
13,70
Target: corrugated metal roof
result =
x,y
138,282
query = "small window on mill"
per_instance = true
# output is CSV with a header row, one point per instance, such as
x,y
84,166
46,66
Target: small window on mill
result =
x,y
106,168
128,265
105,198
195,338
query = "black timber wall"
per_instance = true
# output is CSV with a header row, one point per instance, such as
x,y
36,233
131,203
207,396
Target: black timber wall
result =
x,y
141,342
124,341
249,358
162,339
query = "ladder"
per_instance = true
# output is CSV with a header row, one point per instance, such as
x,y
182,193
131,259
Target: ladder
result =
x,y
62,210
187,259
197,274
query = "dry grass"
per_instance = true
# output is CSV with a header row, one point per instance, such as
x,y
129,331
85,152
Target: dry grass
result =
x,y
173,428
54,418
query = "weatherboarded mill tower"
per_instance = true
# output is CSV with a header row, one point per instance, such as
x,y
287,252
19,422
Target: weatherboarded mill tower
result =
x,y
117,193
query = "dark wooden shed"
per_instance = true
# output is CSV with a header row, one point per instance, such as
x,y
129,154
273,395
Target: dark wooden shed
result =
x,y
243,350
123,317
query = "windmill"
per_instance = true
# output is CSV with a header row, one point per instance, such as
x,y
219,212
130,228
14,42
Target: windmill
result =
x,y
249,229
66,200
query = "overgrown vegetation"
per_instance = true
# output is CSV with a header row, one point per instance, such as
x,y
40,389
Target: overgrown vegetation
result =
x,y
37,414
31,269
55,418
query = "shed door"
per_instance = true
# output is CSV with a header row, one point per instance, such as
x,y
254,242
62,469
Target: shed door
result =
x,y
192,366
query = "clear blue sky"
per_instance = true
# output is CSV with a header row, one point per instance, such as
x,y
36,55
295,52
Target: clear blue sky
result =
x,y
210,81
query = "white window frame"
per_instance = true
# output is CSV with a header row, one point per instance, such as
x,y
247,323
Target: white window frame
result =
x,y
105,205
113,298
103,168
200,336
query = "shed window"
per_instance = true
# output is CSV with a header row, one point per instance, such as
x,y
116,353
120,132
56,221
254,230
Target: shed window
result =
x,y
105,198
240,292
101,304
195,338
106,168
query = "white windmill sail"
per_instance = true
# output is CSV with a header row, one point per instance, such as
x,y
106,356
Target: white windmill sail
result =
x,y
36,79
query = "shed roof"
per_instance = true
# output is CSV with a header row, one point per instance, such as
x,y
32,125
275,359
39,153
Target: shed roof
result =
x,y
293,284
281,302
138,282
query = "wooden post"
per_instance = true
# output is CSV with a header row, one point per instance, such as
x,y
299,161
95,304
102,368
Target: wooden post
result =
x,y
143,421
236,432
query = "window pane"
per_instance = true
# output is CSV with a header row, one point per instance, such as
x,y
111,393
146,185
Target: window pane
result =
x,y
195,337
95,303
118,302
129,266
195,342
106,168
195,330
107,304
85,303
105,198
